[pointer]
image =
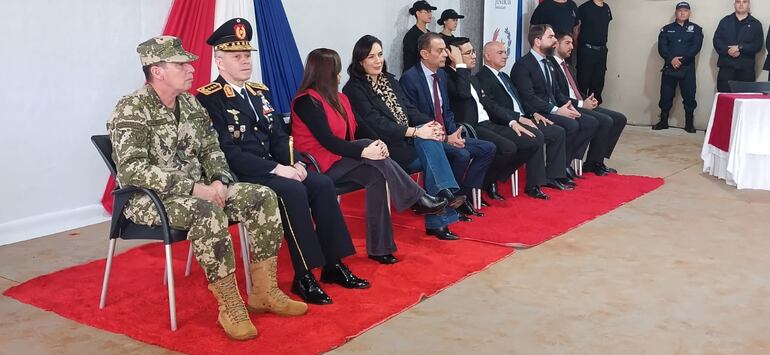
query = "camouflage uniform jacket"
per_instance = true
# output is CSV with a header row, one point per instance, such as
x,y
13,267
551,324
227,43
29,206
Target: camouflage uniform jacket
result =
x,y
152,149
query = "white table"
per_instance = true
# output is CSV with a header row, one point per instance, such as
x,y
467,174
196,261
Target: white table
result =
x,y
746,162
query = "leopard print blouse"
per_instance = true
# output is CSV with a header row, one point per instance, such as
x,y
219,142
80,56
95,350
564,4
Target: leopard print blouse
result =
x,y
384,91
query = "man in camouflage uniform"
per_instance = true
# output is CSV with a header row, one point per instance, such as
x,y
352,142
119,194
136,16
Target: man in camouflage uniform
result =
x,y
162,140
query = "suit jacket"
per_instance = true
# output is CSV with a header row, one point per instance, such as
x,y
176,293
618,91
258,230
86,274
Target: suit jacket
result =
x,y
749,36
532,86
497,94
560,79
416,90
254,143
371,111
767,45
464,105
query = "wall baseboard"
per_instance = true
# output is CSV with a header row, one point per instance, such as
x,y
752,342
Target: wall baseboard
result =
x,y
50,223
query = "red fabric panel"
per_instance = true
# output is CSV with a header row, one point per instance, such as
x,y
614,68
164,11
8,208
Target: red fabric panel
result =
x,y
723,119
193,22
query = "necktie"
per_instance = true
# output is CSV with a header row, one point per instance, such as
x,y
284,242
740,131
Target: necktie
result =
x,y
509,89
436,101
571,81
548,82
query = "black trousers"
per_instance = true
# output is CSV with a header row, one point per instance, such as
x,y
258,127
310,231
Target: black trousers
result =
x,y
735,74
372,175
513,151
611,125
687,86
579,133
591,68
309,246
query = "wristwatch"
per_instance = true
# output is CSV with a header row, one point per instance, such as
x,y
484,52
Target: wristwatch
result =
x,y
224,180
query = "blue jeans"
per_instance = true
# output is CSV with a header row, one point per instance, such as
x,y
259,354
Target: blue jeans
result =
x,y
432,160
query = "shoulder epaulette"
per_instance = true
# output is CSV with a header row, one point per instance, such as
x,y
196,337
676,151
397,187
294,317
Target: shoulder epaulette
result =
x,y
210,88
258,86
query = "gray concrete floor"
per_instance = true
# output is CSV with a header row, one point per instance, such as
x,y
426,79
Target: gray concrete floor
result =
x,y
682,270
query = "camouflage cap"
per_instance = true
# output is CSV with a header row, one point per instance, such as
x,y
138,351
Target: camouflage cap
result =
x,y
163,49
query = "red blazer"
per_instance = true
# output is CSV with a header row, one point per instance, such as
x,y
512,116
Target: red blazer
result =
x,y
306,142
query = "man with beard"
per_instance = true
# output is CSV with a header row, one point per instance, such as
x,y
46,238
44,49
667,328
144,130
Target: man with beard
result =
x,y
533,76
611,123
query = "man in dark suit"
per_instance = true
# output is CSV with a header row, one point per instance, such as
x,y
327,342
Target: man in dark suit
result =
x,y
611,123
425,85
257,149
737,40
516,144
533,75
504,105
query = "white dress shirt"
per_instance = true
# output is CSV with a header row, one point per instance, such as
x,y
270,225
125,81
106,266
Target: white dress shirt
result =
x,y
572,95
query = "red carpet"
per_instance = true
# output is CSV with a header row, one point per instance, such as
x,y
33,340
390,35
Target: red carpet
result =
x,y
137,305
516,222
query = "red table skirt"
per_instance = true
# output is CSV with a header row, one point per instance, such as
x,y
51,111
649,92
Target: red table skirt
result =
x,y
723,118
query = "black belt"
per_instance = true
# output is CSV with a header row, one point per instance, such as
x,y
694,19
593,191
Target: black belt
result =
x,y
596,48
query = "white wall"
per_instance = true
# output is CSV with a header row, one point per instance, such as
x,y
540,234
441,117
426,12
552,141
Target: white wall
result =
x,y
65,63
339,24
633,68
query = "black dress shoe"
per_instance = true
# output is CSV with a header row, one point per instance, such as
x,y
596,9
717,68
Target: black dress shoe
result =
x,y
340,274
555,184
596,168
468,210
428,204
535,192
463,218
572,174
454,200
484,203
308,289
384,259
689,129
492,193
608,169
442,233
569,183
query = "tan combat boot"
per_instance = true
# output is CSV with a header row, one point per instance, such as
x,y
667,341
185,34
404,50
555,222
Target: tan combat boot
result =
x,y
233,316
266,296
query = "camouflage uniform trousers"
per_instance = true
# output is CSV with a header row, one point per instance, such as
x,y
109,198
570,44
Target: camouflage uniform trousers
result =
x,y
254,205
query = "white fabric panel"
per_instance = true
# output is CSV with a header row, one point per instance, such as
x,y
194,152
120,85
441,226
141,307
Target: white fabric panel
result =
x,y
228,9
747,164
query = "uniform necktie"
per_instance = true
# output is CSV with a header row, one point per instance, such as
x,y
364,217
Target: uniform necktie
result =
x,y
439,116
571,81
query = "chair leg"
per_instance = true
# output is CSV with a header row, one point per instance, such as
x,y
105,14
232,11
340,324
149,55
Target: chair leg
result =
x,y
577,165
476,195
171,295
515,183
387,194
107,268
189,261
245,254
338,199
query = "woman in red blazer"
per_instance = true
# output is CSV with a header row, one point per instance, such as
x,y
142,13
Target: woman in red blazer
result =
x,y
323,124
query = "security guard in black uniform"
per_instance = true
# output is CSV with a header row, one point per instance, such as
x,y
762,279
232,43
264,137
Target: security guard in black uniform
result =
x,y
257,148
678,43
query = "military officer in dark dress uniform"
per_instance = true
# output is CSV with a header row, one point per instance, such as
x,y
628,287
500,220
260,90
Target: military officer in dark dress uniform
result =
x,y
678,43
256,145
